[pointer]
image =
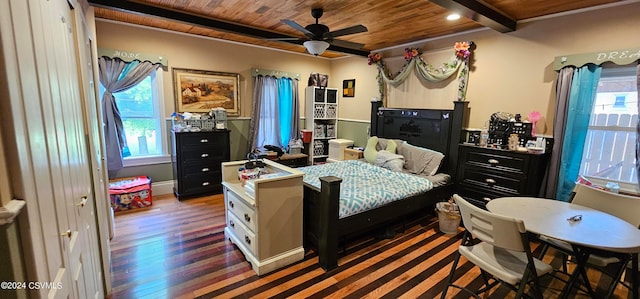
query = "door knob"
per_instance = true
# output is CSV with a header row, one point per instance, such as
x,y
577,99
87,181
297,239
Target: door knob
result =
x,y
82,202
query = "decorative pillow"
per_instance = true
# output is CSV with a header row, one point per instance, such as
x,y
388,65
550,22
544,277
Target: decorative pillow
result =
x,y
391,146
370,151
419,160
383,144
389,160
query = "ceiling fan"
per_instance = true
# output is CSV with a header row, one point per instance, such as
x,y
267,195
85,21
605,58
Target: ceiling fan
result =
x,y
320,37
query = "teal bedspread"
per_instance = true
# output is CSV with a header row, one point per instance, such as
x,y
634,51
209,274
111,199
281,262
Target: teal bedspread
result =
x,y
366,186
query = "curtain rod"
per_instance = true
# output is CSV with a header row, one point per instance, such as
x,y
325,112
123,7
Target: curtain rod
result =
x,y
129,56
263,72
619,57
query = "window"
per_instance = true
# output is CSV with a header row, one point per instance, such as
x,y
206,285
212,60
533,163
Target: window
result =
x,y
141,109
609,153
620,102
277,118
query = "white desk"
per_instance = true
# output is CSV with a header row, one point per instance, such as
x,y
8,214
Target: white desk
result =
x,y
597,229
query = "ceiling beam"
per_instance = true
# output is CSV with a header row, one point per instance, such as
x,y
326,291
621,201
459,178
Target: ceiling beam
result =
x,y
183,17
479,12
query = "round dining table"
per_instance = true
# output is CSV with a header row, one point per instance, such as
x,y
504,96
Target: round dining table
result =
x,y
583,227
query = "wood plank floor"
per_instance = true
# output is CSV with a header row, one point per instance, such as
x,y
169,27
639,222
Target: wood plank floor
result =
x,y
177,249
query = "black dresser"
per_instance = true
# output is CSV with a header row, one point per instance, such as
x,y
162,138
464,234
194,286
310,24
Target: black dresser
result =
x,y
485,173
197,159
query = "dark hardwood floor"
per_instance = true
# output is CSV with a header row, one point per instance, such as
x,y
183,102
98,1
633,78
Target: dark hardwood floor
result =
x,y
177,249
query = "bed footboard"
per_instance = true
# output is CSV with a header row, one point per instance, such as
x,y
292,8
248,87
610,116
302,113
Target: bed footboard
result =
x,y
323,228
321,220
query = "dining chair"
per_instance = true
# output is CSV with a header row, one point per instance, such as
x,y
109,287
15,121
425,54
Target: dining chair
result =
x,y
622,206
499,246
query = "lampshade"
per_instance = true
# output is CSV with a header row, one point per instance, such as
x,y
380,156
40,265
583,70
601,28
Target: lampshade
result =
x,y
316,47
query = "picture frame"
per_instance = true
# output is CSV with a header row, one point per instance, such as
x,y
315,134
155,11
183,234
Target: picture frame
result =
x,y
199,91
349,88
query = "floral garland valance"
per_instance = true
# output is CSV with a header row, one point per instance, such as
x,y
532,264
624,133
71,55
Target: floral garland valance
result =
x,y
431,73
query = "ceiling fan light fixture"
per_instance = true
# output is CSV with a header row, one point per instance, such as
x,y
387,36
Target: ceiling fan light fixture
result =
x,y
453,17
316,47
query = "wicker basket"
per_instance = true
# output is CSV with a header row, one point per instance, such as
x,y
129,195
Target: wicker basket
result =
x,y
318,148
180,125
319,130
331,111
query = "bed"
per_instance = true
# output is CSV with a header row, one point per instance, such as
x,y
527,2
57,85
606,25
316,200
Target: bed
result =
x,y
436,129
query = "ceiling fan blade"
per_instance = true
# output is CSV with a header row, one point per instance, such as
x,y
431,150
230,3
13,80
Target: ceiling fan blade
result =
x,y
298,27
348,30
283,38
346,44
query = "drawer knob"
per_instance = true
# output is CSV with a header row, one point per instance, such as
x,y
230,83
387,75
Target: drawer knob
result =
x,y
204,155
493,161
490,181
231,204
486,199
205,184
247,240
204,140
231,223
205,169
246,217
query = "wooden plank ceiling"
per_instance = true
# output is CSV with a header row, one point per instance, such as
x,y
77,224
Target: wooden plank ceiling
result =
x,y
390,22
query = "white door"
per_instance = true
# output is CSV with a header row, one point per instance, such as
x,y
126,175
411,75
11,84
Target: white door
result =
x,y
47,155
34,150
83,246
99,207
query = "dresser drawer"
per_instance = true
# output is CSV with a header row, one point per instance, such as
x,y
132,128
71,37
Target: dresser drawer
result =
x,y
212,168
511,163
492,181
482,193
242,233
202,155
201,182
202,140
240,209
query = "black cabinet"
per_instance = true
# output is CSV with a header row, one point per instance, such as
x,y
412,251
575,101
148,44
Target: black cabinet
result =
x,y
485,173
197,159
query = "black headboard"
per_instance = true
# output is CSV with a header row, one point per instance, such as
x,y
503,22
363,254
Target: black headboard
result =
x,y
436,129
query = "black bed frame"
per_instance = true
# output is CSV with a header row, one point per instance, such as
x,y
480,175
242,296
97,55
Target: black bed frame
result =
x,y
437,129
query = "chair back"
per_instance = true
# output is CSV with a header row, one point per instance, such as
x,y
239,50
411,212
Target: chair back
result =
x,y
622,206
497,230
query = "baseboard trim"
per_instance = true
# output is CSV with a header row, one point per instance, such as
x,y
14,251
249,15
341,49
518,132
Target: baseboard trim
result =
x,y
162,188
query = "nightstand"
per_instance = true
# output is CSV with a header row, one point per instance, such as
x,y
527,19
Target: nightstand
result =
x,y
353,154
293,160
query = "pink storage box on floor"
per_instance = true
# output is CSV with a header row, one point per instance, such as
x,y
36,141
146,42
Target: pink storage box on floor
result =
x,y
130,193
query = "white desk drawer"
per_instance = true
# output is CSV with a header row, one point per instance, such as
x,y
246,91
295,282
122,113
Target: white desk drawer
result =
x,y
237,206
242,233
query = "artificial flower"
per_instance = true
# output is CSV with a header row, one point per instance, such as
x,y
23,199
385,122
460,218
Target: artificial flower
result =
x,y
460,46
462,49
534,116
411,53
374,58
